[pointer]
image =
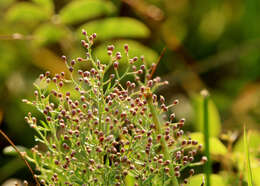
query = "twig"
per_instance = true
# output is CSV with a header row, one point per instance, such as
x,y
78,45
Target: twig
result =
x,y
21,155
159,59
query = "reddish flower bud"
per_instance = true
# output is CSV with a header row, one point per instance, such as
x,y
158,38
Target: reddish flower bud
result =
x,y
84,32
126,47
116,65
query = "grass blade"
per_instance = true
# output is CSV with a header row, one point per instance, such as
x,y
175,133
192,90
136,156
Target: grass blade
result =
x,y
246,150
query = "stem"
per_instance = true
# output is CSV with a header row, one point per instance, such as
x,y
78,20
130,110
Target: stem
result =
x,y
206,136
101,103
162,141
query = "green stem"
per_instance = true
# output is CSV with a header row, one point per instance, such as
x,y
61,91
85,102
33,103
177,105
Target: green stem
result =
x,y
162,141
206,136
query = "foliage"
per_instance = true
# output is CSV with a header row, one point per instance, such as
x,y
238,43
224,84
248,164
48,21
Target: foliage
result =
x,y
211,45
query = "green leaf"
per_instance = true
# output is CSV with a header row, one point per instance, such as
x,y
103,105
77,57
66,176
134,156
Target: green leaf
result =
x,y
253,143
5,3
47,4
239,159
9,150
116,27
10,167
48,60
197,180
10,61
135,49
241,155
49,33
255,171
78,11
216,147
130,180
246,150
26,12
213,115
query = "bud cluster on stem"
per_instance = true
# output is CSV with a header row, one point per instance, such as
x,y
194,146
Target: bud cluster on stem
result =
x,y
104,131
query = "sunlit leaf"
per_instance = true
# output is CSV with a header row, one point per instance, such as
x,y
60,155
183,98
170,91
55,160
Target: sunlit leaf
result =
x,y
239,160
9,150
255,172
26,12
216,147
117,27
49,33
47,60
78,11
215,180
253,143
213,114
135,49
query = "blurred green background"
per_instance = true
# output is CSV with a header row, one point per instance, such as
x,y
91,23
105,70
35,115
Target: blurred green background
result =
x,y
209,44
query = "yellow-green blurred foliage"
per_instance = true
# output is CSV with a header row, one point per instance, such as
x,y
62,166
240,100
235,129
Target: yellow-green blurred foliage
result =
x,y
209,44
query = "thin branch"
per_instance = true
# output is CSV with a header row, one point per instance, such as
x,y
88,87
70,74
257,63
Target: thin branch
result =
x,y
21,155
16,36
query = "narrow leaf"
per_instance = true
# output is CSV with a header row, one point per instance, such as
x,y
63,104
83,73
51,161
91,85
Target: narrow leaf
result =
x,y
246,150
253,144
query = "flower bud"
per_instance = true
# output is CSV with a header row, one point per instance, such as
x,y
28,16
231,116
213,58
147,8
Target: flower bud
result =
x,y
84,32
116,65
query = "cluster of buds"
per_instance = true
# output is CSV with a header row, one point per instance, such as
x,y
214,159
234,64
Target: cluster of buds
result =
x,y
105,131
